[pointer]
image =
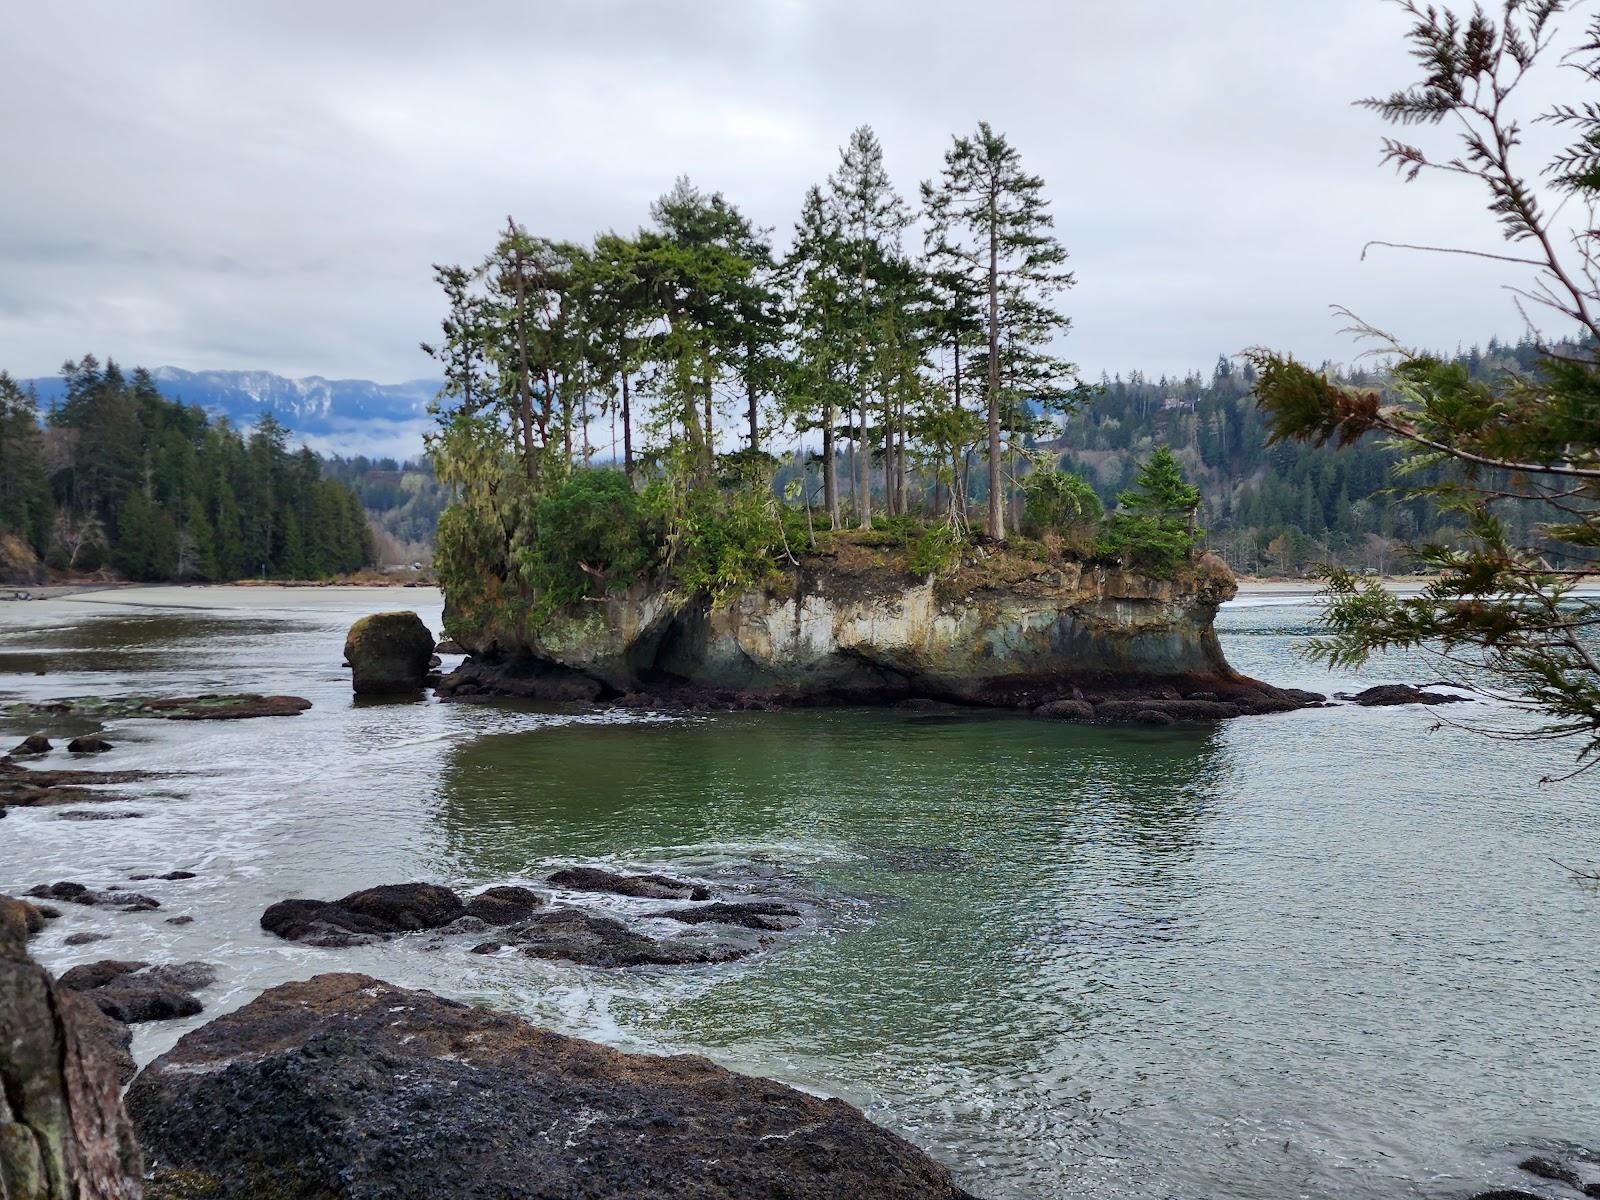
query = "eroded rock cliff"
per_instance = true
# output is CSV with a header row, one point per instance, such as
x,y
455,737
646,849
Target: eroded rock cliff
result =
x,y
844,627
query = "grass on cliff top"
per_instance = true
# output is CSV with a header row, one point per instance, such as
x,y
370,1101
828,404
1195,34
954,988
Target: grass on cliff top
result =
x,y
912,549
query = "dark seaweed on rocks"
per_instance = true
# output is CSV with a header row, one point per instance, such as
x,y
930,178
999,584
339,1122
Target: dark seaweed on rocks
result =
x,y
344,1087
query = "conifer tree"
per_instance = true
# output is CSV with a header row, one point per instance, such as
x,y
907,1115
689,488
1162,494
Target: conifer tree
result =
x,y
871,218
815,387
989,221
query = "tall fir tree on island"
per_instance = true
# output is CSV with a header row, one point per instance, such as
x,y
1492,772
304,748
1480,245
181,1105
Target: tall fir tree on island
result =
x,y
989,221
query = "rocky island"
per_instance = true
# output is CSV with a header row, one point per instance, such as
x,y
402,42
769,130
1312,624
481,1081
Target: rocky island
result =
x,y
853,624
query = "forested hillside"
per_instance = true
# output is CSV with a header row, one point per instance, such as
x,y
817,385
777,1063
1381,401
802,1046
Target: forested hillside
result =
x,y
403,502
120,477
1267,509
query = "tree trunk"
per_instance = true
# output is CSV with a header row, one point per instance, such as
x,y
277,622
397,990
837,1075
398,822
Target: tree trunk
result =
x,y
524,375
566,426
830,467
864,492
627,428
850,455
997,528
585,430
888,459
900,462
710,432
750,398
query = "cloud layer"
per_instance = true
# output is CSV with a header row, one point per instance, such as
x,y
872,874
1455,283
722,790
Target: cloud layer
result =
x,y
266,186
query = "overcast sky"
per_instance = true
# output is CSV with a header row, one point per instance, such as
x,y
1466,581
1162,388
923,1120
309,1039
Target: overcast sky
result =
x,y
255,185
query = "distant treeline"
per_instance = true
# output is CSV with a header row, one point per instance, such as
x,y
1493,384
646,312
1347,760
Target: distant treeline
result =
x,y
402,499
1269,509
120,477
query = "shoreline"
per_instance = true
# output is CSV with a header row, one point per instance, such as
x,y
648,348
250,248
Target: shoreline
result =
x,y
168,595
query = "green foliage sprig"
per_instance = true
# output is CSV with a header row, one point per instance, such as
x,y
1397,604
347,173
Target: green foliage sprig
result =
x,y
1504,614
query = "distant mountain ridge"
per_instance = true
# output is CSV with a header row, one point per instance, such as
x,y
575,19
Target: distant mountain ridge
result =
x,y
343,415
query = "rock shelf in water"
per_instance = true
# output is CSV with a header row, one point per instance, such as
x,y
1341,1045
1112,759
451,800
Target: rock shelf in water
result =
x,y
211,706
350,1088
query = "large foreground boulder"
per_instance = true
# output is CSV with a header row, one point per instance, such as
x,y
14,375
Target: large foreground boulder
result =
x,y
63,1133
344,1087
388,654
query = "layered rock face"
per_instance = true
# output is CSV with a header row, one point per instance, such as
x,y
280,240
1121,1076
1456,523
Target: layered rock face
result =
x,y
347,1088
63,1134
1018,633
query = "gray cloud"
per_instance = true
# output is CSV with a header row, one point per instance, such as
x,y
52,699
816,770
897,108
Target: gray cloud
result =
x,y
231,185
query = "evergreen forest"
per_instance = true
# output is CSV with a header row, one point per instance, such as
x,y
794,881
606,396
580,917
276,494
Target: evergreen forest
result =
x,y
118,477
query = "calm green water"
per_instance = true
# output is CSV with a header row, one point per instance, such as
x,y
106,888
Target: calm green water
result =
x,y
1316,954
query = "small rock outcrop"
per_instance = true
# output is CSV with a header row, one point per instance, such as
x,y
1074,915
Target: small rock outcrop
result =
x,y
504,905
771,915
1386,695
78,893
388,654
63,1132
379,913
132,992
88,743
210,706
349,1088
586,939
361,918
510,918
34,743
647,887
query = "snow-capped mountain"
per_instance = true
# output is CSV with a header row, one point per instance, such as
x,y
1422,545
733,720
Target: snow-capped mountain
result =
x,y
348,416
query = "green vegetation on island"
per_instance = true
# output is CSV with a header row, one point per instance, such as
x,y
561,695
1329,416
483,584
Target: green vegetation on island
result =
x,y
760,405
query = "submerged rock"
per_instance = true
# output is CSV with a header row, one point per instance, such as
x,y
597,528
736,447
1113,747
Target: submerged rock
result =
x,y
26,787
388,653
648,887
771,915
89,743
588,939
1387,694
349,1088
1579,1172
98,815
34,743
63,1132
77,893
